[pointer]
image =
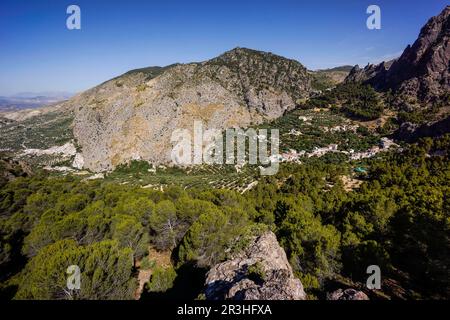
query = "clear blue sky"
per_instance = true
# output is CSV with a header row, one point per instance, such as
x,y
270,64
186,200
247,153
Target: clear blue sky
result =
x,y
38,53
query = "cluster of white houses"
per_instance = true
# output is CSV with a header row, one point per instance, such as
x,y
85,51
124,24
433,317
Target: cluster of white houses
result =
x,y
385,144
294,156
342,128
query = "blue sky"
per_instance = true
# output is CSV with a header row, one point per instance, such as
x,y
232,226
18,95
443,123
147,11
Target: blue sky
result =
x,y
38,53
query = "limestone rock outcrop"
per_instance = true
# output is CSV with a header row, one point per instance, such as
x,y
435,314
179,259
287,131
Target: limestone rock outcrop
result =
x,y
260,272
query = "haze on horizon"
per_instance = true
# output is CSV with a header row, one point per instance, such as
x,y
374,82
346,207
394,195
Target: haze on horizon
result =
x,y
40,54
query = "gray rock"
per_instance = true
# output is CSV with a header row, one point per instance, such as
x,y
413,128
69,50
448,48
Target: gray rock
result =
x,y
411,132
347,294
133,116
234,279
421,73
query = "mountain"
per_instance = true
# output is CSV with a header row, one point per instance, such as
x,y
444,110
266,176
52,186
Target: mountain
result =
x,y
327,78
60,95
422,73
133,116
259,272
345,68
371,73
28,100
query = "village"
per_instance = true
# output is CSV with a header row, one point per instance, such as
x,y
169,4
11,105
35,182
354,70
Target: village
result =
x,y
295,156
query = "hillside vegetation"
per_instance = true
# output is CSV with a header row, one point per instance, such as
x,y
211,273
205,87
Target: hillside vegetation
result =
x,y
327,232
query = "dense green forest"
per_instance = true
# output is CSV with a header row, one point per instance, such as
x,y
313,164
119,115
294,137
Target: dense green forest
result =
x,y
398,219
355,100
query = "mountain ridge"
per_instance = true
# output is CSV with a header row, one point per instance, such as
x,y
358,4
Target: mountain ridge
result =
x,y
421,74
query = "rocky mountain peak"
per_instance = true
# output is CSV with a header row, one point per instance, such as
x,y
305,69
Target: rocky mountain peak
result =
x,y
422,71
260,272
240,55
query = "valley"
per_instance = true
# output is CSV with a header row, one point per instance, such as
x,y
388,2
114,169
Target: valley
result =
x,y
363,180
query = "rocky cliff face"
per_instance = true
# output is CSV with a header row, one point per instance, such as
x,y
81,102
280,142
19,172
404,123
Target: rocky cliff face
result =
x,y
372,73
133,116
260,272
422,72
411,132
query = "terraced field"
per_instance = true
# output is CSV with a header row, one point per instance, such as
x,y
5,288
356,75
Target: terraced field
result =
x,y
39,132
205,176
299,130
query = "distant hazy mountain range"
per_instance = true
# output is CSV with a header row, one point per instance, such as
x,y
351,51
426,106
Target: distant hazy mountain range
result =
x,y
26,100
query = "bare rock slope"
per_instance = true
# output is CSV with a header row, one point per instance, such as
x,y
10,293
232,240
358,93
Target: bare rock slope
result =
x,y
260,272
133,116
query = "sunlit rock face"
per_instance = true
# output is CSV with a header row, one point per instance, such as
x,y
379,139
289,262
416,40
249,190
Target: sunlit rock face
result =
x,y
134,115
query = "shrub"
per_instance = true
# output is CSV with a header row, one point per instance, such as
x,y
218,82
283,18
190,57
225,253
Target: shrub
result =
x,y
162,279
256,272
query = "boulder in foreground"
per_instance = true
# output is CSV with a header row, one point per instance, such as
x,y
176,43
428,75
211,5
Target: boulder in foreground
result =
x,y
260,272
